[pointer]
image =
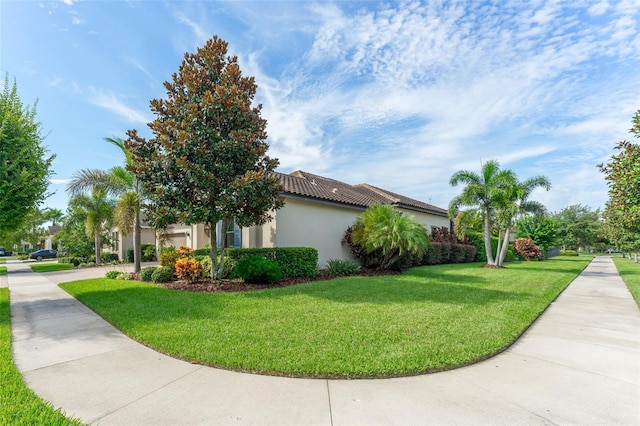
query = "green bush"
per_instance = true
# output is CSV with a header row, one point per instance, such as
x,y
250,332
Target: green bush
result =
x,y
162,274
124,276
71,260
109,257
146,273
257,269
169,256
148,252
201,252
568,253
342,267
205,261
293,261
112,275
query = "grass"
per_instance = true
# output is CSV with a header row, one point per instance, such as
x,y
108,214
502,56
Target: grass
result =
x,y
3,270
50,267
3,261
428,319
18,404
630,273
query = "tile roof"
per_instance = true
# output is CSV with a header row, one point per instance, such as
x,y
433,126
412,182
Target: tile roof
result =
x,y
308,185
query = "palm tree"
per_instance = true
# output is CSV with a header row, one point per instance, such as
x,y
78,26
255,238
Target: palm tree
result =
x,y
381,227
517,204
97,209
119,182
485,192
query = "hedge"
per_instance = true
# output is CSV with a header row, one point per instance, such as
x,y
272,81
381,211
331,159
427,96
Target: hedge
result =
x,y
293,261
444,253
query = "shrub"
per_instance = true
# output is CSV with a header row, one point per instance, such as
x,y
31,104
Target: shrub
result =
x,y
257,270
293,261
168,256
112,275
526,248
188,269
148,252
147,272
109,257
184,251
342,267
205,261
568,253
130,255
458,253
124,276
71,260
471,253
201,252
162,274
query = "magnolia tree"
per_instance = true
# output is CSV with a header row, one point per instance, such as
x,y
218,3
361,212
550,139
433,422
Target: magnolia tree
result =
x,y
622,173
206,161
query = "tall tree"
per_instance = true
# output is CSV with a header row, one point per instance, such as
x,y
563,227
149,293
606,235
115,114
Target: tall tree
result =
x,y
97,209
578,226
483,192
540,228
622,174
25,167
207,159
514,204
121,183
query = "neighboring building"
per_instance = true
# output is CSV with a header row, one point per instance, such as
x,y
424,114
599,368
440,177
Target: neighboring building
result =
x,y
316,213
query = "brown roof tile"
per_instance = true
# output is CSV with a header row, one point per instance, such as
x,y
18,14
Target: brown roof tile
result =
x,y
313,186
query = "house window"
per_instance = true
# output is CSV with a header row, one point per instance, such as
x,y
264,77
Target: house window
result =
x,y
233,235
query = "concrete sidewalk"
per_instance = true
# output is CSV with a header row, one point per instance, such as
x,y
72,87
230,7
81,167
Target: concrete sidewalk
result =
x,y
578,364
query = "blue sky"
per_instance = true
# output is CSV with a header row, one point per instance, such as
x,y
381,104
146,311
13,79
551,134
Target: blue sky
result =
x,y
397,94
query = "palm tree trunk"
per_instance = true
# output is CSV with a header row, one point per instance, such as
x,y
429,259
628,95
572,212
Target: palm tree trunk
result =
x,y
98,246
137,250
487,238
505,246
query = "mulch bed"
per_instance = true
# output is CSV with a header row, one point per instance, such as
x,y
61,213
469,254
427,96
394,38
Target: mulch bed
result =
x,y
237,285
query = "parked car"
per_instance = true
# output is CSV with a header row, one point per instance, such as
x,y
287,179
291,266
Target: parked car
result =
x,y
43,254
4,252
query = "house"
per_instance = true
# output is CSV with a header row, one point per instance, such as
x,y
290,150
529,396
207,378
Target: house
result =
x,y
316,213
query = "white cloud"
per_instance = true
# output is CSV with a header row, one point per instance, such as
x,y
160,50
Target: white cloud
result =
x,y
60,181
115,104
76,21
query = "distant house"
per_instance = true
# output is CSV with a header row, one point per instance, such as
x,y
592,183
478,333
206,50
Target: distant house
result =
x,y
316,213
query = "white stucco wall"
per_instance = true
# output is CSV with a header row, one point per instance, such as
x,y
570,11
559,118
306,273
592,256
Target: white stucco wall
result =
x,y
427,220
302,223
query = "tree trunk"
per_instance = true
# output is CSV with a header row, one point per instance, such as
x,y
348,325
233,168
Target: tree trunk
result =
x,y
223,237
487,238
213,249
505,246
98,247
137,247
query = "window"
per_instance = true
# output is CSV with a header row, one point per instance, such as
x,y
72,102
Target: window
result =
x,y
233,235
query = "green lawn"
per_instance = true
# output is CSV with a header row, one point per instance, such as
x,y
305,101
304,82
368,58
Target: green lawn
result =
x,y
3,270
3,261
50,267
18,404
428,319
630,273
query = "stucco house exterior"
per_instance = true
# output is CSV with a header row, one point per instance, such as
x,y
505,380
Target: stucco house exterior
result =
x,y
316,213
